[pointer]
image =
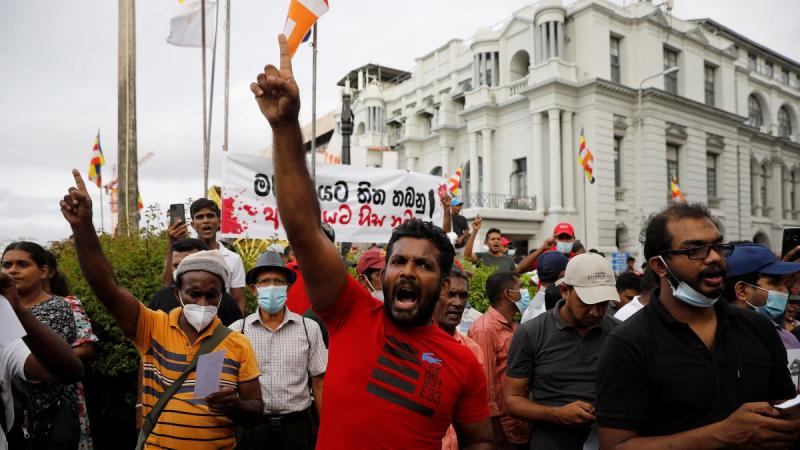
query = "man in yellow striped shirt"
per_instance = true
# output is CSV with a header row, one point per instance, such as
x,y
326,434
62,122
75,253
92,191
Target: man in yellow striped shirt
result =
x,y
168,343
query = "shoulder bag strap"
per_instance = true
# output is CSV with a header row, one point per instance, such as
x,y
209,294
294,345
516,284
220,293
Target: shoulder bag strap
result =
x,y
219,334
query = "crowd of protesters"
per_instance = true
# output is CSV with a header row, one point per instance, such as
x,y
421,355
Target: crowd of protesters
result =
x,y
691,353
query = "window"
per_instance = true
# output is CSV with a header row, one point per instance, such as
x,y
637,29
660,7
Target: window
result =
x,y
615,66
754,117
784,123
519,178
486,69
752,61
617,162
763,193
769,69
427,125
672,167
670,79
709,84
711,175
785,76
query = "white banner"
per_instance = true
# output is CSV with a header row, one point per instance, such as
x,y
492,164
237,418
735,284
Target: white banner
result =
x,y
362,204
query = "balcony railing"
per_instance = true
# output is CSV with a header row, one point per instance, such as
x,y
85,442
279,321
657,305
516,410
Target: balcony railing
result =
x,y
518,85
499,201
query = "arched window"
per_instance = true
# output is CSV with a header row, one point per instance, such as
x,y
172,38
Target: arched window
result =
x,y
519,65
754,116
784,123
437,171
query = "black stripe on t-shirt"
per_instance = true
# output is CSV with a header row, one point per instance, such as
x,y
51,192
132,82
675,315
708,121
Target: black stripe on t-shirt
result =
x,y
398,400
407,371
399,354
392,380
403,345
194,426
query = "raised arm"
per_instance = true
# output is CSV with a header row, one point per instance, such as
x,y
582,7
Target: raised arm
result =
x,y
175,232
476,225
278,98
51,357
447,223
528,263
77,210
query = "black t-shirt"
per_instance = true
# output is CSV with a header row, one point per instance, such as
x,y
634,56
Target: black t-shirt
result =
x,y
655,376
164,299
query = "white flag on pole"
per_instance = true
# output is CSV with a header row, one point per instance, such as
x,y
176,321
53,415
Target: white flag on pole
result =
x,y
186,31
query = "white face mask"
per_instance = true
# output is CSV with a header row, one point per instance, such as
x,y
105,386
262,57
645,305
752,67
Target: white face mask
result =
x,y
198,316
377,293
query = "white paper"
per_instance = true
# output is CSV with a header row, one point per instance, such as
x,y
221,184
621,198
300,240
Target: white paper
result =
x,y
789,403
209,369
592,441
793,355
10,327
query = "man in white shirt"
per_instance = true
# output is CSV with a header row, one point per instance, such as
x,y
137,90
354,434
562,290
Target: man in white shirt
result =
x,y
41,355
551,267
648,283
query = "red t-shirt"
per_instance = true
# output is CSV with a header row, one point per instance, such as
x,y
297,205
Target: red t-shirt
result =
x,y
297,298
388,387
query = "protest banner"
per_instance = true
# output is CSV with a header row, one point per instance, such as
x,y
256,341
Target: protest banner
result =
x,y
362,204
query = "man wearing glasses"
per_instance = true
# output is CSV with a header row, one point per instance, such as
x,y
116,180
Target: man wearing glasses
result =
x,y
291,356
689,371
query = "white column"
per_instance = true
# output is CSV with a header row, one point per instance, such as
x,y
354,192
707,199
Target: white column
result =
x,y
796,188
539,57
552,38
555,159
569,160
536,171
446,161
411,163
786,207
756,200
777,191
475,79
560,41
473,166
497,69
487,161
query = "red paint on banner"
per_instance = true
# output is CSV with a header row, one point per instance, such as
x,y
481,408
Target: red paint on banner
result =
x,y
271,215
250,210
230,223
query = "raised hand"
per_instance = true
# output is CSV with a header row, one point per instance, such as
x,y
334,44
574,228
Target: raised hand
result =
x,y
77,204
445,198
8,289
476,223
549,242
276,91
178,230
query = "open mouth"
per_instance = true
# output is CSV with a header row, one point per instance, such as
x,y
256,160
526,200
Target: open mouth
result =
x,y
406,298
712,278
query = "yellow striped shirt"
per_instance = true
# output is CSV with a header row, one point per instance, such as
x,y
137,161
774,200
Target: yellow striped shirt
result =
x,y
187,422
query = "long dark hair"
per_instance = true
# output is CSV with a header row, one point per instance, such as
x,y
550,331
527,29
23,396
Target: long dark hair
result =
x,y
42,257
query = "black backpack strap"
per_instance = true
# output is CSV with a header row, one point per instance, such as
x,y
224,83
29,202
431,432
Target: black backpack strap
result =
x,y
211,342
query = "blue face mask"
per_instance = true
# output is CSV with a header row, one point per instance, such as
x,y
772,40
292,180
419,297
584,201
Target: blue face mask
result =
x,y
564,247
775,307
688,294
271,298
524,300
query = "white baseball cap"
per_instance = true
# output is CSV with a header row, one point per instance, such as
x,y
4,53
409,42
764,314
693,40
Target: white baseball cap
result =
x,y
592,277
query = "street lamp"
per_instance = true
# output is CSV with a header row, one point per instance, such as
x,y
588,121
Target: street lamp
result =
x,y
639,201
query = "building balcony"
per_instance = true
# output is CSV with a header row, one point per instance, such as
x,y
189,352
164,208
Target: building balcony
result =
x,y
499,201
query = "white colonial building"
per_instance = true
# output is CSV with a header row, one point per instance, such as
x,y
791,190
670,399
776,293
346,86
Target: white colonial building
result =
x,y
508,107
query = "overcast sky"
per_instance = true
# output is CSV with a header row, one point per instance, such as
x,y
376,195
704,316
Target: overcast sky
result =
x,y
58,83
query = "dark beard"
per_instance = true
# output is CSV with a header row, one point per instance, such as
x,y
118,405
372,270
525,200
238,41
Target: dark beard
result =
x,y
423,316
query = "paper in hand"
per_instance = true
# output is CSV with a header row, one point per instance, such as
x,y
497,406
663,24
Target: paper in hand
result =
x,y
10,327
209,369
789,403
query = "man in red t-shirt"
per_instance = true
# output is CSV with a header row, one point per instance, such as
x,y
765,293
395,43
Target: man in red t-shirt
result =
x,y
297,299
395,380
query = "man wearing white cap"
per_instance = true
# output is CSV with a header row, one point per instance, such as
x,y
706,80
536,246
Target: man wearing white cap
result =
x,y
554,357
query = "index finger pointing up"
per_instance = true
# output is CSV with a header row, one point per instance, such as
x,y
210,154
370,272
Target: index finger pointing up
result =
x,y
286,55
78,180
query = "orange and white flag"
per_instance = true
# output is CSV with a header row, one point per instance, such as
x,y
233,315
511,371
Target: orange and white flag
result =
x,y
302,15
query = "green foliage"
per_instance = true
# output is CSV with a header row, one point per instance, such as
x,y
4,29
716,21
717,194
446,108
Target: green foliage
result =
x,y
477,285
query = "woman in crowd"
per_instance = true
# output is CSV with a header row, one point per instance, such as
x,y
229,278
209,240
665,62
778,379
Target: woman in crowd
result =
x,y
51,408
83,346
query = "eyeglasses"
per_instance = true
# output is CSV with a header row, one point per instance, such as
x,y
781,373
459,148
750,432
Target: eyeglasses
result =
x,y
702,251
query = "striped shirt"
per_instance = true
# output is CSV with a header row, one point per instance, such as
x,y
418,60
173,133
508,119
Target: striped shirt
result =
x,y
166,352
285,357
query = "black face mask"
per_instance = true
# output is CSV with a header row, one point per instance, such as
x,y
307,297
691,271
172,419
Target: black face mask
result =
x,y
551,296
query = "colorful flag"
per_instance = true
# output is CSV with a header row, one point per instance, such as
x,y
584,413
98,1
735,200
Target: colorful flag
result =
x,y
585,158
677,195
186,30
139,202
455,183
302,15
97,162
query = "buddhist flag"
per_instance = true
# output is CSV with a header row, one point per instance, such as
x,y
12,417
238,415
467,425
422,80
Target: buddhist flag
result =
x,y
585,158
186,30
454,184
302,15
677,195
96,162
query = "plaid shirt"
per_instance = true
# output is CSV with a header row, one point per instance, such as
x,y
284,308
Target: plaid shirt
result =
x,y
285,357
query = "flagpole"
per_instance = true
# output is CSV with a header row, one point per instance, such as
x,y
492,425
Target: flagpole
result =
x,y
227,68
207,153
314,106
100,179
205,115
